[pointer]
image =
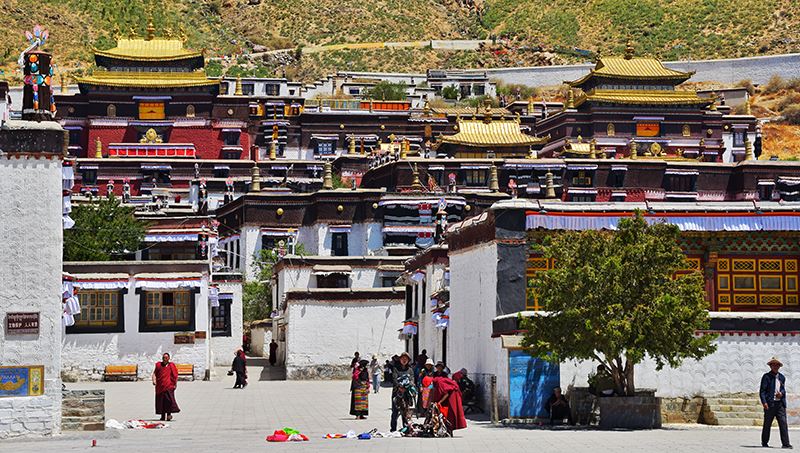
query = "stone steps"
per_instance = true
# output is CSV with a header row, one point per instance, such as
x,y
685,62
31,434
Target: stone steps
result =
x,y
734,410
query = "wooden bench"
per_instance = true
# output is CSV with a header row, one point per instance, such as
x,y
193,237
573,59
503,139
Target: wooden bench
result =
x,y
121,373
185,371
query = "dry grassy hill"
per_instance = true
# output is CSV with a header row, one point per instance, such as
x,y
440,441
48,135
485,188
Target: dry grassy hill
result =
x,y
672,29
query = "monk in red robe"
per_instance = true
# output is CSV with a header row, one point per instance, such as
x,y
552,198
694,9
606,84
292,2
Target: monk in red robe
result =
x,y
447,394
165,378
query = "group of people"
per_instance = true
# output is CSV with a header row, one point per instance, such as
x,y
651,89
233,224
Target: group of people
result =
x,y
419,384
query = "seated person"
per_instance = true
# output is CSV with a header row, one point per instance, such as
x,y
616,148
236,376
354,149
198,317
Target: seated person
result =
x,y
558,407
604,383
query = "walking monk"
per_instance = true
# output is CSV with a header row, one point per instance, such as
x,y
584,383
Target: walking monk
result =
x,y
165,378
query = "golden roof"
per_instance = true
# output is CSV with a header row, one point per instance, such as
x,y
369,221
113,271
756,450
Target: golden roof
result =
x,y
491,133
156,49
651,97
148,79
634,68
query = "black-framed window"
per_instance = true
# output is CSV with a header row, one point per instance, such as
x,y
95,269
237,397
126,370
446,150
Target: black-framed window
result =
x,y
616,178
325,147
387,281
765,192
222,172
167,310
475,178
339,244
102,311
231,138
248,89
738,137
333,281
583,197
425,299
221,317
479,89
88,177
681,183
75,136
272,89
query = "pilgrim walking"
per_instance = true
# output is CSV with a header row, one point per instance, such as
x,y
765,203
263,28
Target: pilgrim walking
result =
x,y
773,398
359,387
239,366
165,378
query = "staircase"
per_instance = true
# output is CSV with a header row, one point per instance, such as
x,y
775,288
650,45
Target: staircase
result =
x,y
740,409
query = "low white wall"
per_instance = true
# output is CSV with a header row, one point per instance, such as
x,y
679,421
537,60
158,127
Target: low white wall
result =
x,y
85,355
736,367
222,348
322,336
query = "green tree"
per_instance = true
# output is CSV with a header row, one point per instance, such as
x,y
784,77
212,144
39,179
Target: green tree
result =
x,y
257,289
386,91
104,230
614,297
450,92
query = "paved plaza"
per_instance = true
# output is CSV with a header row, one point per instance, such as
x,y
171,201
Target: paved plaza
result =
x,y
215,417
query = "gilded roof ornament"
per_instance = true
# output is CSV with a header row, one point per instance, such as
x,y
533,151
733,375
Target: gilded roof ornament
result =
x,y
116,33
151,30
132,34
629,49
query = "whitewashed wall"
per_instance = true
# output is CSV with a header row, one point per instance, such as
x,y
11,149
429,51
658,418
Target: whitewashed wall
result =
x,y
736,367
249,243
363,239
260,338
473,294
339,329
85,355
430,338
303,277
222,348
30,281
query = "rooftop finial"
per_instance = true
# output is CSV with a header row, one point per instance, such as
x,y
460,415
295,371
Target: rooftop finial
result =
x,y
570,99
494,184
416,185
255,179
327,177
748,148
629,49
151,30
237,91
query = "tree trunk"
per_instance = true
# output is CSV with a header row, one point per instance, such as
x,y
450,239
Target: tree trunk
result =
x,y
618,375
631,388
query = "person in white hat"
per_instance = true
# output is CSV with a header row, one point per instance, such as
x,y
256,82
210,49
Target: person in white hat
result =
x,y
773,398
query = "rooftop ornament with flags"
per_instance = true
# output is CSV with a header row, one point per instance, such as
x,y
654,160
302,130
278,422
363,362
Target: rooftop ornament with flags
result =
x,y
38,103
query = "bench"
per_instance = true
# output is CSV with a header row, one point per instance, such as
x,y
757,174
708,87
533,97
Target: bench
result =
x,y
185,371
121,373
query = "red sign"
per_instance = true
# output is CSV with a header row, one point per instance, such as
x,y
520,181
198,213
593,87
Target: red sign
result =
x,y
22,323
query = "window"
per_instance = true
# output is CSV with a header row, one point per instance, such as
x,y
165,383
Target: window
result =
x,y
248,89
738,138
89,177
582,198
169,309
273,243
231,138
648,129
221,171
101,311
75,137
466,90
479,89
616,178
425,299
333,281
536,264
223,88
746,284
221,317
231,155
681,183
272,89
765,191
473,178
151,111
388,282
339,244
324,147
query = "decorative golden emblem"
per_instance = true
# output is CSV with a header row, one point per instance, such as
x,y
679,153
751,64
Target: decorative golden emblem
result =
x,y
610,131
655,149
151,136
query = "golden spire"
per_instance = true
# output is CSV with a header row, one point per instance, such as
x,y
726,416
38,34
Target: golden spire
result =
x,y
713,106
168,33
132,33
487,111
351,146
151,30
116,33
629,49
327,177
238,88
416,185
182,33
634,148
426,108
570,99
255,179
748,148
98,148
494,184
273,150
593,149
747,110
64,87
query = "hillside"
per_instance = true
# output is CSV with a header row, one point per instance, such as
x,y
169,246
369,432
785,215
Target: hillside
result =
x,y
671,29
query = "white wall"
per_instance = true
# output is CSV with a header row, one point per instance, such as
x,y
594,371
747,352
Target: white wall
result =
x,y
30,281
249,243
363,239
260,338
222,348
324,335
736,367
430,338
85,355
473,294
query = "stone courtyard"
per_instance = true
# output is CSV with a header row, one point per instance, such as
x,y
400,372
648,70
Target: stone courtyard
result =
x,y
215,417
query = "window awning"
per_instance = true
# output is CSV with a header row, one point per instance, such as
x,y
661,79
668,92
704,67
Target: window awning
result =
x,y
170,237
407,229
582,167
340,228
475,167
279,232
391,268
88,167
101,281
231,130
722,222
324,137
169,281
222,167
681,172
161,167
328,269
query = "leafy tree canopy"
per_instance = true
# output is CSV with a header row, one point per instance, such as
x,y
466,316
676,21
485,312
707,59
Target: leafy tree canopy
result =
x,y
104,230
257,289
387,91
614,297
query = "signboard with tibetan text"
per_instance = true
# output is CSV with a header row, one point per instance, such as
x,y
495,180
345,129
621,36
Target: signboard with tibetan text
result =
x,y
22,323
